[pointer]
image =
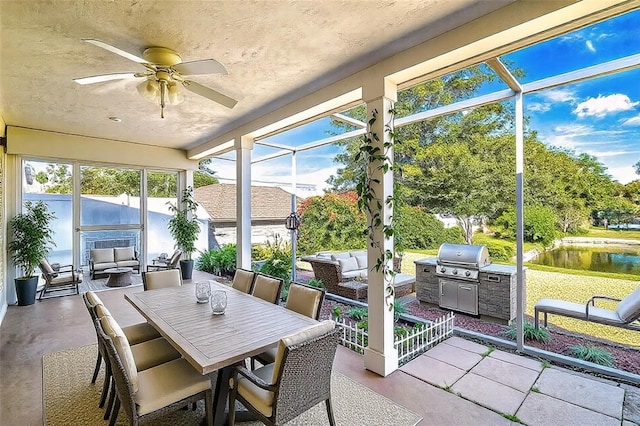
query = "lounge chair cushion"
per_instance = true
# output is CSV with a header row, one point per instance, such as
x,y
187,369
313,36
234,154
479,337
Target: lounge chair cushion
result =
x,y
577,310
46,268
66,278
343,255
358,253
362,261
629,308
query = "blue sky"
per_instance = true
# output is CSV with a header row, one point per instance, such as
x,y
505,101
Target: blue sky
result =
x,y
600,117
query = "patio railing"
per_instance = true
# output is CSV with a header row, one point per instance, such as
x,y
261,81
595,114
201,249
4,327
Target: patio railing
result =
x,y
409,342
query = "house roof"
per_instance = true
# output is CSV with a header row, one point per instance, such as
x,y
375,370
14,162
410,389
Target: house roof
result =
x,y
267,202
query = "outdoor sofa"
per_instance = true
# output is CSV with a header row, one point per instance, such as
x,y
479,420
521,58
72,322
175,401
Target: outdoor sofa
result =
x,y
345,274
116,257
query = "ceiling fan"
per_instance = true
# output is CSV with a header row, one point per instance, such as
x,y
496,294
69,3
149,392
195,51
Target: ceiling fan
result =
x,y
165,71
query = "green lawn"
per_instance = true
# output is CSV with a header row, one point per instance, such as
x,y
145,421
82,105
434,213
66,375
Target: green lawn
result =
x,y
611,233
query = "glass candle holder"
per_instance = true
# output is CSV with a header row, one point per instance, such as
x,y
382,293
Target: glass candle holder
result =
x,y
203,291
218,302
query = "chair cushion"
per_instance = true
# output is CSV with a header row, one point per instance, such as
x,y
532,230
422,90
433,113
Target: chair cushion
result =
x,y
46,268
352,274
136,333
266,288
303,300
102,255
66,278
242,280
123,253
348,264
358,253
324,254
362,261
103,266
152,353
578,310
127,263
140,332
304,335
93,298
336,256
629,308
167,383
162,279
113,330
259,398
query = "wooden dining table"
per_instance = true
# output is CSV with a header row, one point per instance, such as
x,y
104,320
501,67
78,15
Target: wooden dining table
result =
x,y
214,343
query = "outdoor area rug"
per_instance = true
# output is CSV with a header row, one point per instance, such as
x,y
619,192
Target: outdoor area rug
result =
x,y
69,398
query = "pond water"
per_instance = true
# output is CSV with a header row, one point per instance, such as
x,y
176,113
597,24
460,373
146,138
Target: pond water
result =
x,y
618,259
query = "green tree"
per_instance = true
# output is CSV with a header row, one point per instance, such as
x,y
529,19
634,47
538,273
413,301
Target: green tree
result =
x,y
331,222
637,167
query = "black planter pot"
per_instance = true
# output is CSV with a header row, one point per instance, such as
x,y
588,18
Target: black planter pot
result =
x,y
186,269
26,290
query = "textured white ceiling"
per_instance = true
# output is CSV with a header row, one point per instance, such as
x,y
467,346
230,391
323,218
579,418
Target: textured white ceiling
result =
x,y
276,51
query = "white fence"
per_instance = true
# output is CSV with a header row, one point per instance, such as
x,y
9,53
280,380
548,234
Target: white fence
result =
x,y
409,342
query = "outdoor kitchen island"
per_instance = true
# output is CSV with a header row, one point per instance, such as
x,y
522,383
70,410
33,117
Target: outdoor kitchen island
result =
x,y
463,279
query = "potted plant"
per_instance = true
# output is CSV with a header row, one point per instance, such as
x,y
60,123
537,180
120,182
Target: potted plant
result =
x,y
184,229
32,241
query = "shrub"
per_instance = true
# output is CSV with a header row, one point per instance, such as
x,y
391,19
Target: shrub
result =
x,y
331,222
421,230
316,283
500,249
279,269
275,248
358,314
220,262
530,333
593,354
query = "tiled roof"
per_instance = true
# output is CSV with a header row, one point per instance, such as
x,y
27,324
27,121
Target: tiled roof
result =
x,y
267,202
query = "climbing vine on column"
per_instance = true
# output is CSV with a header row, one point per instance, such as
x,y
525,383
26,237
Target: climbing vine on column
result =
x,y
375,160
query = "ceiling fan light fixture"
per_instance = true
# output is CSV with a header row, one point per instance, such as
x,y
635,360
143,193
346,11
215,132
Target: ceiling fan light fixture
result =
x,y
174,94
150,90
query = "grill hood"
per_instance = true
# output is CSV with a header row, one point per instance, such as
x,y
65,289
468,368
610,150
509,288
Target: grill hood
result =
x,y
463,255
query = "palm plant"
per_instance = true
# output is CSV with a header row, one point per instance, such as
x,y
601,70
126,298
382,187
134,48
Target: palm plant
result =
x,y
32,237
184,226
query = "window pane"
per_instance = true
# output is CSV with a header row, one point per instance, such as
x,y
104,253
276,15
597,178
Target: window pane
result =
x,y
53,184
109,196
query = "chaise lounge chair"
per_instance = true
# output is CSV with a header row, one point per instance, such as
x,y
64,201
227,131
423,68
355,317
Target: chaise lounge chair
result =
x,y
626,315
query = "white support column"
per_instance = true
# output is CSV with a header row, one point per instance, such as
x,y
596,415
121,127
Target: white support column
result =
x,y
244,145
520,220
294,232
380,356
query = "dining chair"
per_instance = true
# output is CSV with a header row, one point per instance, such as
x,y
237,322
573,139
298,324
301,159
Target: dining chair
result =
x,y
150,394
145,355
298,380
170,263
243,280
135,333
153,280
303,299
267,288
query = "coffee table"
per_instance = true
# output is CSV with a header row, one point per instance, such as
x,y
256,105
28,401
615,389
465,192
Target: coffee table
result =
x,y
119,277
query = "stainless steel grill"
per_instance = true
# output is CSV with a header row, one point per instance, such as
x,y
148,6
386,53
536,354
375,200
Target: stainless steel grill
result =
x,y
458,268
461,261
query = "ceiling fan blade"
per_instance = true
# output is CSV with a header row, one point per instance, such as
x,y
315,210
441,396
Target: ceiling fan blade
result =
x,y
205,66
115,50
107,77
208,93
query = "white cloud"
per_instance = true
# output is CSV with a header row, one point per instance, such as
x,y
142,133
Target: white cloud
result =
x,y
538,107
633,121
559,95
603,105
589,45
602,154
572,130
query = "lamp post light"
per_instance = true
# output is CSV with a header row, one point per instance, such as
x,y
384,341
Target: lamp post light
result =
x,y
292,223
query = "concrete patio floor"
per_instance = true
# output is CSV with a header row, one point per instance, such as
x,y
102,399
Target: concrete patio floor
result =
x,y
523,389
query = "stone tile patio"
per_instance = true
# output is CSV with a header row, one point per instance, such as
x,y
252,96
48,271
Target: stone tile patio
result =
x,y
522,389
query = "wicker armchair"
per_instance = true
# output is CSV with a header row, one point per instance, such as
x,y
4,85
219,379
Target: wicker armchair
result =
x,y
298,380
